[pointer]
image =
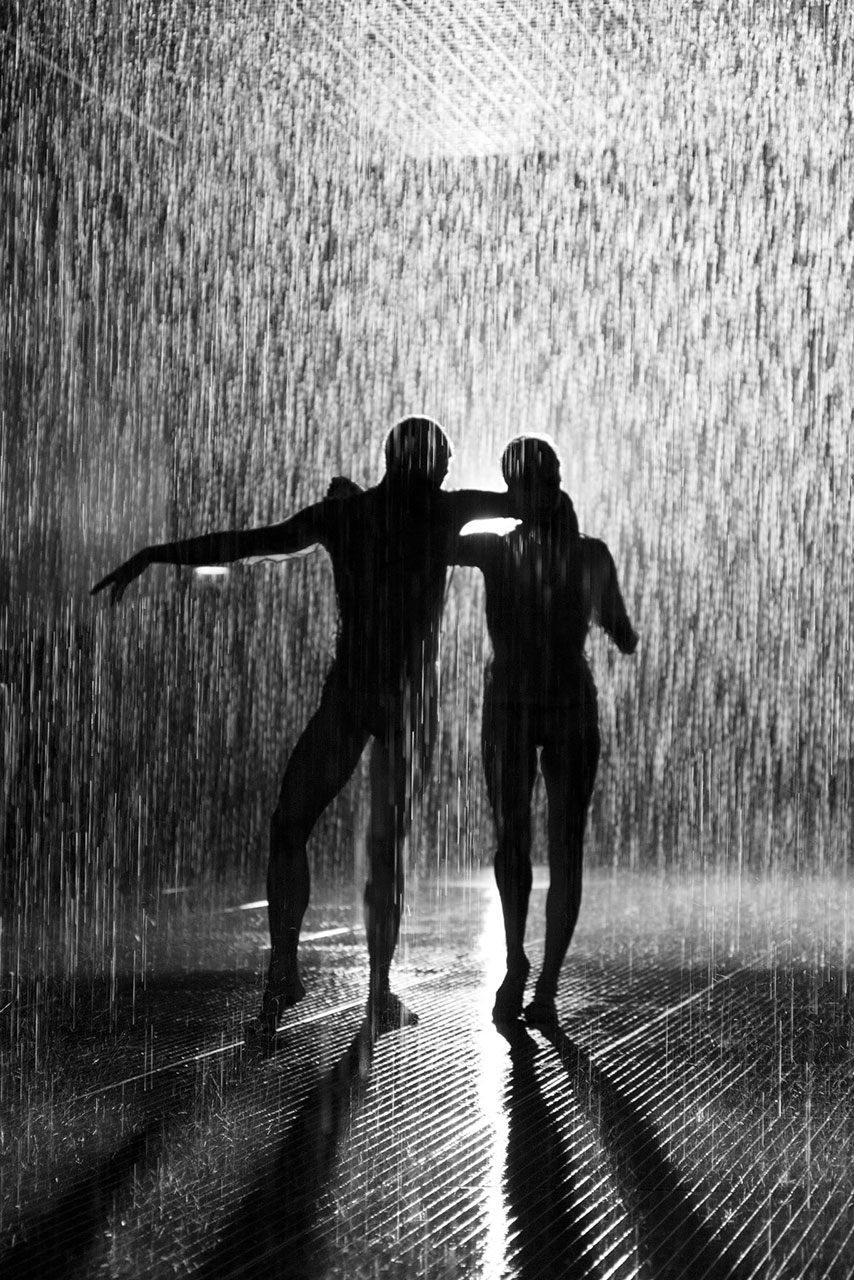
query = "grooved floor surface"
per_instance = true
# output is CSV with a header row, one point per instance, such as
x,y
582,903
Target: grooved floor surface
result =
x,y
691,1116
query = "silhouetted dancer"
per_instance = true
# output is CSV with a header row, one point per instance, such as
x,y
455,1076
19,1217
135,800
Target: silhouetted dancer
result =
x,y
544,585
390,547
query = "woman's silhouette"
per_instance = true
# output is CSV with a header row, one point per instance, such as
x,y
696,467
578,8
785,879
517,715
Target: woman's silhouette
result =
x,y
544,586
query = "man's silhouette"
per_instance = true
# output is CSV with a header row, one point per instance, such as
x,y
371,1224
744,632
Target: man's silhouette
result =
x,y
390,547
544,585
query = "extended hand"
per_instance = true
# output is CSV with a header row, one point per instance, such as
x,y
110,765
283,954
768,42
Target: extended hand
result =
x,y
121,578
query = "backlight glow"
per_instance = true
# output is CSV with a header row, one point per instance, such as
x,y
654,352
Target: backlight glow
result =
x,y
502,525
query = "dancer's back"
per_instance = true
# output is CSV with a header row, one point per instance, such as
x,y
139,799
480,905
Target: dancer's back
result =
x,y
545,585
390,547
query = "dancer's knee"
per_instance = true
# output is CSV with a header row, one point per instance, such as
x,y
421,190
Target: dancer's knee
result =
x,y
565,883
513,865
567,828
289,832
384,891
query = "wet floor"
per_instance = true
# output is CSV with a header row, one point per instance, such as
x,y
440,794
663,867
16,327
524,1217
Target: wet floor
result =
x,y
691,1116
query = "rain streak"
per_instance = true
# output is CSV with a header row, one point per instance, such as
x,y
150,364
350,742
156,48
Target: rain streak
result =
x,y
239,242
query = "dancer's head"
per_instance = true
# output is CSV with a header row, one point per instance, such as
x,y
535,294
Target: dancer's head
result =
x,y
531,469
417,448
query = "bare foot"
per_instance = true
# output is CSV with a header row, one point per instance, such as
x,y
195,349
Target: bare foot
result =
x,y
522,1043
387,1012
279,996
260,1031
259,1035
508,999
541,1013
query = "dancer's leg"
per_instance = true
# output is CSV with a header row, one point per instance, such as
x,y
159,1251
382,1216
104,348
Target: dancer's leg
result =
x,y
569,766
510,765
321,763
399,765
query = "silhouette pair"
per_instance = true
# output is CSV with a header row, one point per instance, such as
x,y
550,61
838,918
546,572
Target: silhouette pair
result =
x,y
390,547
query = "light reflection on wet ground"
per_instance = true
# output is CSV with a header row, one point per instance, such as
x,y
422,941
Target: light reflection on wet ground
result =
x,y
693,1111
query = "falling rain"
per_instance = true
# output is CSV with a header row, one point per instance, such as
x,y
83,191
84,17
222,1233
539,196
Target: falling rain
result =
x,y
239,243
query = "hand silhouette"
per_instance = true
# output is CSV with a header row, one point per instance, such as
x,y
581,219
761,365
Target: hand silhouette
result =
x,y
120,579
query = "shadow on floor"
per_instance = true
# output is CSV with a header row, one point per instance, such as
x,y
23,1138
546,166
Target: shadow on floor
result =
x,y
274,1231
61,1238
60,1241
674,1239
546,1224
276,1219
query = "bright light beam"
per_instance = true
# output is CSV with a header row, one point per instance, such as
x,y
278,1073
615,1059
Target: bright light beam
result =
x,y
501,525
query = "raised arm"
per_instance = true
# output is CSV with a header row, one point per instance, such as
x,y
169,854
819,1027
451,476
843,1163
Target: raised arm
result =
x,y
301,530
602,592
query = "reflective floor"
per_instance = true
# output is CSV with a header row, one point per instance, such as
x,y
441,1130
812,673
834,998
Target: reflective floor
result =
x,y
691,1116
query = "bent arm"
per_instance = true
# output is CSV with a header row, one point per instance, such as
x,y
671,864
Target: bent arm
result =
x,y
465,505
474,549
602,590
302,530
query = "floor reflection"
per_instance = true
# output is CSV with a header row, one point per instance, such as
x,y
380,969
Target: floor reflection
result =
x,y
689,1117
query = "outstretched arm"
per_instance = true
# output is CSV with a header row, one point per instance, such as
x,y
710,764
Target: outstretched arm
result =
x,y
602,590
302,530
